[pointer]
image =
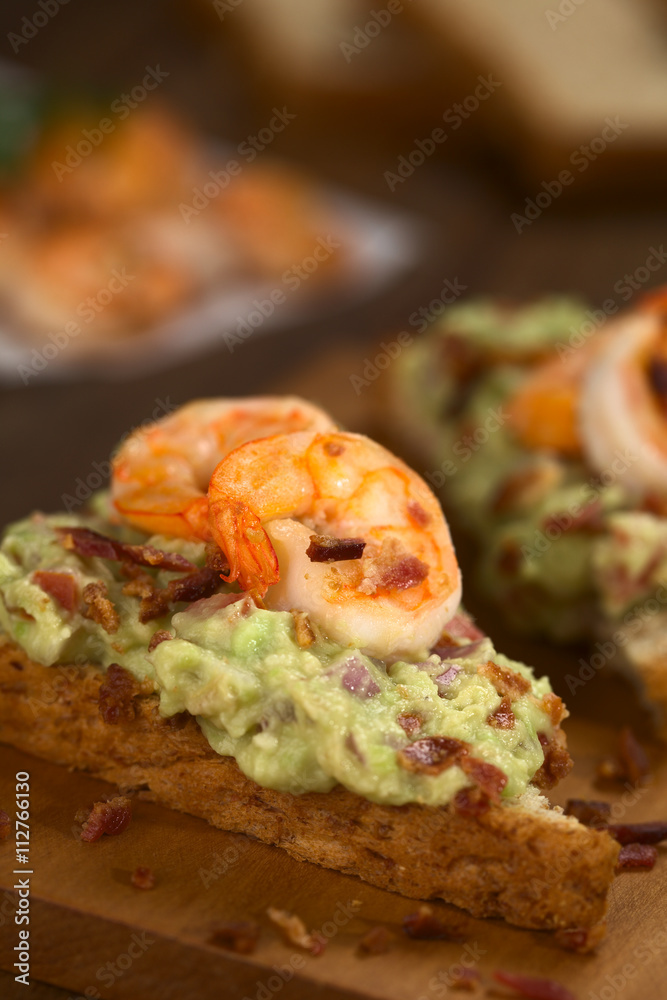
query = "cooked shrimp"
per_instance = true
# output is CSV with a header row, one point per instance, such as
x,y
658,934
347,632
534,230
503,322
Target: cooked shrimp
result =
x,y
268,497
161,473
544,412
623,410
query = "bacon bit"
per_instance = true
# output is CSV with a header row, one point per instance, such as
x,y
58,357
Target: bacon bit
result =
x,y
295,931
588,811
239,936
410,724
5,825
325,548
557,762
99,608
160,636
633,757
633,856
376,941
424,925
581,940
194,586
110,817
509,557
554,707
146,555
16,665
610,769
141,585
488,778
465,979
303,630
506,682
432,754
142,878
116,694
471,802
589,518
638,833
216,559
503,717
407,572
418,514
60,586
532,987
89,543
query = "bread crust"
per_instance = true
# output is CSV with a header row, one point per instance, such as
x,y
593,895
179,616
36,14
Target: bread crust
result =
x,y
532,866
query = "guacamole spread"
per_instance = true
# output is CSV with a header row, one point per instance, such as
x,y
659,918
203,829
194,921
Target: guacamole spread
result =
x,y
560,548
299,715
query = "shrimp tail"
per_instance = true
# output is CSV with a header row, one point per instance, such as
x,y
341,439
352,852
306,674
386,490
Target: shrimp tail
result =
x,y
250,554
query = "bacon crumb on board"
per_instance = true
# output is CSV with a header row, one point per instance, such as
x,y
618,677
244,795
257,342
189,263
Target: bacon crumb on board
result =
x,y
426,925
638,833
143,878
109,818
465,979
240,936
295,931
590,812
636,856
533,987
581,940
376,941
630,764
5,825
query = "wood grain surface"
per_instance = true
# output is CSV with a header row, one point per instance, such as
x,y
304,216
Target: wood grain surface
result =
x,y
91,929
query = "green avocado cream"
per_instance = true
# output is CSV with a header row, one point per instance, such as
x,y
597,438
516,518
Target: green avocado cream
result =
x,y
296,718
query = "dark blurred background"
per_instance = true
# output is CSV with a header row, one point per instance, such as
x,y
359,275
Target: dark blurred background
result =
x,y
468,116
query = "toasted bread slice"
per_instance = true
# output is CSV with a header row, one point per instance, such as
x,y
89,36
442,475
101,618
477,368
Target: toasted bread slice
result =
x,y
525,862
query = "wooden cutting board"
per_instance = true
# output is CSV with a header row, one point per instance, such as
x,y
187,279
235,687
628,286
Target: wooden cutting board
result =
x,y
91,929
87,919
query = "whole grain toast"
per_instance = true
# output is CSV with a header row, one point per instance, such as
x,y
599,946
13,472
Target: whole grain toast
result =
x,y
525,862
